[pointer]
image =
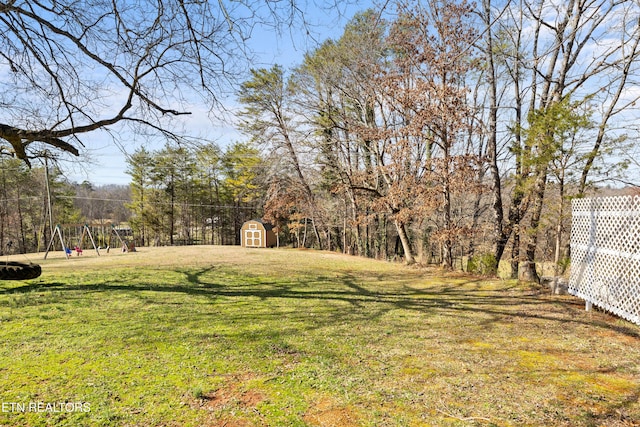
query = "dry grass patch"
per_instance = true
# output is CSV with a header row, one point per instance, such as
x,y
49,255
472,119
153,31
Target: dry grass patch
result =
x,y
327,413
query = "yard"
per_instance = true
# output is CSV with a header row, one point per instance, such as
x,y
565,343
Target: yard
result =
x,y
227,336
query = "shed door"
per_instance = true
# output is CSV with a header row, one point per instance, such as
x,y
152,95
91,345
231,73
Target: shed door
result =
x,y
253,238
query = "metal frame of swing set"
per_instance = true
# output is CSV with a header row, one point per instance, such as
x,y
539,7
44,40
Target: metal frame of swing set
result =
x,y
122,242
57,232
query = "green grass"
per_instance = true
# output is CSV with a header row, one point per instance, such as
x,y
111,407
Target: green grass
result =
x,y
214,336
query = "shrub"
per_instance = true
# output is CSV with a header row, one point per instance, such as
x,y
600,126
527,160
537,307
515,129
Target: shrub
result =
x,y
484,264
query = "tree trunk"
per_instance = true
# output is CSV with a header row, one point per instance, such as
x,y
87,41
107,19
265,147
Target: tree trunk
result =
x,y
172,222
4,214
384,242
447,246
23,238
558,242
404,239
354,218
316,232
529,273
344,231
492,143
515,252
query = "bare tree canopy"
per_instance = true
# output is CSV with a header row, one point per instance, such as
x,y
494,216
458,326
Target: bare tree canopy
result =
x,y
69,67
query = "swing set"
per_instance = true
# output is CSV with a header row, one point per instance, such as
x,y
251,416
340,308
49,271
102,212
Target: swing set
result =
x,y
58,235
125,246
66,248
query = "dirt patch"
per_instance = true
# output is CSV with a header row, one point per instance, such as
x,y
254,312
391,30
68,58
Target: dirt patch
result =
x,y
230,422
627,335
230,395
233,393
326,413
228,403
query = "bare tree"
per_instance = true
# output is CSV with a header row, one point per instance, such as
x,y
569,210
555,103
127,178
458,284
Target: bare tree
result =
x,y
423,110
70,67
334,92
582,50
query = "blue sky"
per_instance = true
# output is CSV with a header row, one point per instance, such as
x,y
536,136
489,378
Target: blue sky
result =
x,y
104,162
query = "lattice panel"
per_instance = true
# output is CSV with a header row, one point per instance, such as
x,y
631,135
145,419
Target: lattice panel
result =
x,y
605,254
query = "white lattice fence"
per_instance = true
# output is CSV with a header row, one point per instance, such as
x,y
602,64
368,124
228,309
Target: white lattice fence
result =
x,y
605,254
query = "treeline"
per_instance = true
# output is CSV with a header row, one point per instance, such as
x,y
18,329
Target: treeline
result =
x,y
34,200
449,129
194,195
177,196
430,132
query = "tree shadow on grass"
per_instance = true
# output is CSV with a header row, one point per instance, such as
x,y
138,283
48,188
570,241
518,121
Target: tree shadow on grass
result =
x,y
349,296
34,287
195,277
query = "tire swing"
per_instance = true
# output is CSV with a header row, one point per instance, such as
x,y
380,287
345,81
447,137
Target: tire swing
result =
x,y
11,270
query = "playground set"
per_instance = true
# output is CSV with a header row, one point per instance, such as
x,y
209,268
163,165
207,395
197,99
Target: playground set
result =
x,y
84,232
13,270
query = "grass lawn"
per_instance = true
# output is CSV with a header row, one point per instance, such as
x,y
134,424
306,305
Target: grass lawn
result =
x,y
226,336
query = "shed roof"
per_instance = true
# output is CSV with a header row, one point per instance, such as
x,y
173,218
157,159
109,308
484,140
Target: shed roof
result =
x,y
267,226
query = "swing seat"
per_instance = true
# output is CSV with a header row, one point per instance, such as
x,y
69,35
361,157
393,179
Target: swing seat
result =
x,y
78,250
67,251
